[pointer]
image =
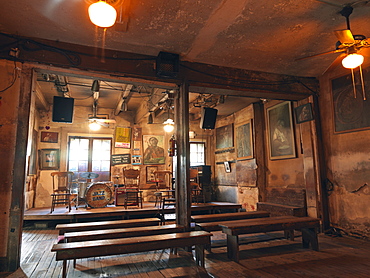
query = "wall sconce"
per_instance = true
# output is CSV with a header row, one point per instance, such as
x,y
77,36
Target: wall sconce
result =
x,y
102,14
192,134
169,125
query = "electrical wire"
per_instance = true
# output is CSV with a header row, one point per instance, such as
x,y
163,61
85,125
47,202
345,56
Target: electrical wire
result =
x,y
15,75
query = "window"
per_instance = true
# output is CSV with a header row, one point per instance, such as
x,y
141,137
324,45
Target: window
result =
x,y
90,155
197,153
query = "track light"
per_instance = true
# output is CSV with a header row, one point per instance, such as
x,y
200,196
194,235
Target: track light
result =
x,y
102,14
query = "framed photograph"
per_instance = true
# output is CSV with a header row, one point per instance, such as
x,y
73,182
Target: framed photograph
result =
x,y
227,166
280,131
150,176
244,141
153,149
122,137
49,159
49,137
225,137
303,113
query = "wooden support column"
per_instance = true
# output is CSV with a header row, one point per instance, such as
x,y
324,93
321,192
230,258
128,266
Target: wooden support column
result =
x,y
260,145
183,202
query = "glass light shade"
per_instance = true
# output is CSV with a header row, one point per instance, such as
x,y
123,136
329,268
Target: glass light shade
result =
x,y
352,61
169,125
94,126
102,14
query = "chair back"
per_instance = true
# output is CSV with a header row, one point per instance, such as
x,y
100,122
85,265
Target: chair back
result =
x,y
163,177
62,181
194,178
131,177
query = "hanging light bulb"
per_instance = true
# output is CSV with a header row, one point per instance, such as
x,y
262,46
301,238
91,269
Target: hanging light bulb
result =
x,y
94,126
102,14
169,125
352,61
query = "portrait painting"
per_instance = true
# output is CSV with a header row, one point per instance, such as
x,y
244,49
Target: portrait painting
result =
x,y
49,137
244,141
280,131
351,111
153,149
49,159
303,113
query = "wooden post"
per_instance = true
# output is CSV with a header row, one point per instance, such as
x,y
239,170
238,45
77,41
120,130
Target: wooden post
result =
x,y
182,192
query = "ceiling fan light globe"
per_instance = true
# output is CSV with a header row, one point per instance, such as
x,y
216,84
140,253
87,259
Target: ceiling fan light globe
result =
x,y
352,61
169,125
94,126
102,14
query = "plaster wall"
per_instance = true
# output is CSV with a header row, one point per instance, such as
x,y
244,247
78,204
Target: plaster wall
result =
x,y
348,165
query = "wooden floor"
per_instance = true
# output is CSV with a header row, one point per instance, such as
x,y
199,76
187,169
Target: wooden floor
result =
x,y
266,255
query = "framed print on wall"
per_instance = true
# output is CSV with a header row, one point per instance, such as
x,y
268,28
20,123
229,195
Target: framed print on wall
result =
x,y
303,113
224,137
49,159
153,149
244,141
280,131
150,176
49,137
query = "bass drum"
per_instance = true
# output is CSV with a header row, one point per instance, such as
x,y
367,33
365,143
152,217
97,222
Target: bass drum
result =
x,y
98,195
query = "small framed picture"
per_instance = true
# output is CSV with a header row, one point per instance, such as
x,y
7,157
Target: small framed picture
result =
x,y
150,175
49,159
49,137
227,167
303,113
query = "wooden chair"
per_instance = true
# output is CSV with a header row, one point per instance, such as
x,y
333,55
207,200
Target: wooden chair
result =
x,y
131,177
197,195
61,189
161,177
167,203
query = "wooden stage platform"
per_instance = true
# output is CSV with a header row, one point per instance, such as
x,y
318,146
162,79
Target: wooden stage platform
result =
x,y
61,214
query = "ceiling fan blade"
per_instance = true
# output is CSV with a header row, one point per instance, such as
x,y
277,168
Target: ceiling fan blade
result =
x,y
319,54
335,63
344,36
365,51
96,119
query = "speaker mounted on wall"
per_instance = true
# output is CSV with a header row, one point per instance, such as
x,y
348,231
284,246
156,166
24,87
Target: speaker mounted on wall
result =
x,y
208,118
167,64
63,109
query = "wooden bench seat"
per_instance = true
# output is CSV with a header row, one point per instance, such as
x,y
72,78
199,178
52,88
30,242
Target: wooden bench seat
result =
x,y
122,233
102,225
233,229
228,216
117,246
210,223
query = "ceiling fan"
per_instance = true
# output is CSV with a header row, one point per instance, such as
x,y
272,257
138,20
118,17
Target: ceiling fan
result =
x,y
95,120
350,47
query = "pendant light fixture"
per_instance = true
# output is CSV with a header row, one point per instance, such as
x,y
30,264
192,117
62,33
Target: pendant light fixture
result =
x,y
352,61
169,125
102,14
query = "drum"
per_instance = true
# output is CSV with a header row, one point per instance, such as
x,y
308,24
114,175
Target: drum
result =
x,y
82,186
98,195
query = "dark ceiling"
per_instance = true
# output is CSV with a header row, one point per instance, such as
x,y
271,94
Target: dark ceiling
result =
x,y
259,35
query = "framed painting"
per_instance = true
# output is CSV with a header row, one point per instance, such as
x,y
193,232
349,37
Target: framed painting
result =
x,y
244,141
351,111
280,131
303,113
225,137
49,137
150,176
153,149
49,159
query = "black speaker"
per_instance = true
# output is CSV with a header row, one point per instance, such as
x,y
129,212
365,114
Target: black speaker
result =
x,y
63,109
208,118
167,64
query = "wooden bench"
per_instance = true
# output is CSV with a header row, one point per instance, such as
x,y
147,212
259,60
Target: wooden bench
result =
x,y
103,225
122,233
117,246
284,201
210,222
233,229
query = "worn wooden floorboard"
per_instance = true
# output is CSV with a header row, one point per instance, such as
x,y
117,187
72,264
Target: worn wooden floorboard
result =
x,y
262,256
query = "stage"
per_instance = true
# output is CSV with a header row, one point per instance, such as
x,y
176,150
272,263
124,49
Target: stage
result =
x,y
61,214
